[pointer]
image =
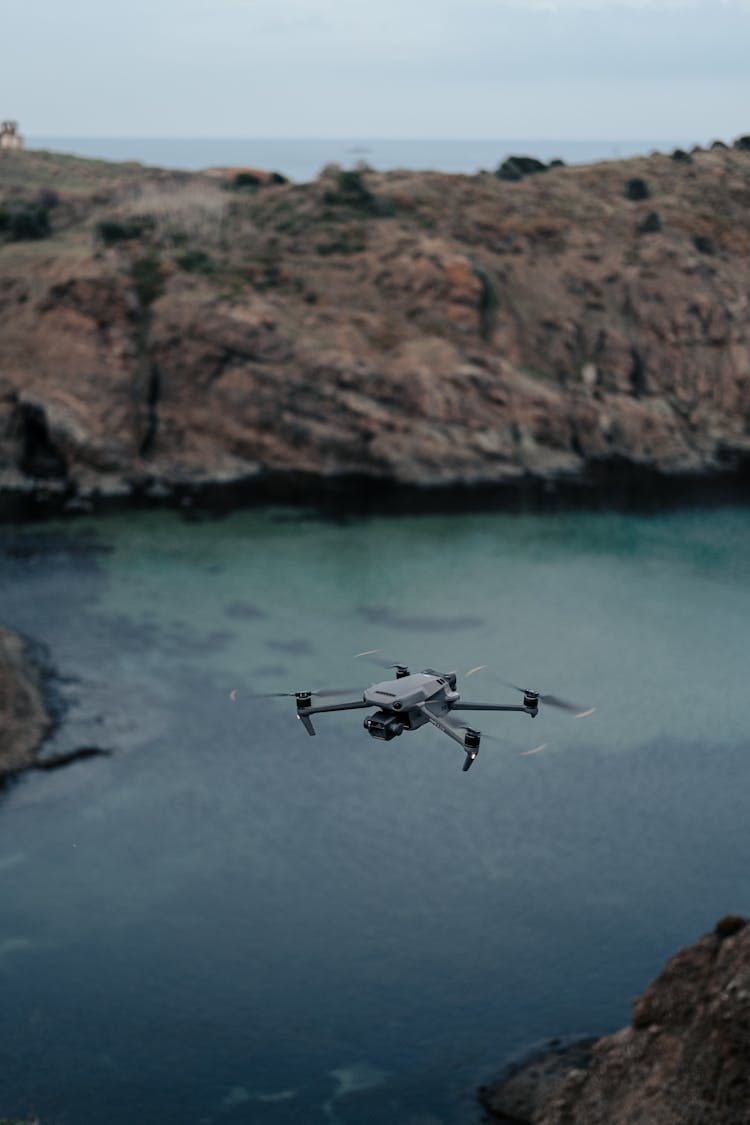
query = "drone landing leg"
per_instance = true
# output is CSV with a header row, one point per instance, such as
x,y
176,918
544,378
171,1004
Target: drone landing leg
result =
x,y
306,722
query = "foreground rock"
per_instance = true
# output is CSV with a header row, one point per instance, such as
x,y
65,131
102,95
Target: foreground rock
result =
x,y
164,333
24,719
685,1060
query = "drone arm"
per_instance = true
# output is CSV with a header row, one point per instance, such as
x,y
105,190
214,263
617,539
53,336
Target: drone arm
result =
x,y
353,706
489,707
304,713
456,733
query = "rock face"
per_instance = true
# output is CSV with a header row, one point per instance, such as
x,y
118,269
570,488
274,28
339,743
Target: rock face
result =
x,y
406,328
24,719
686,1058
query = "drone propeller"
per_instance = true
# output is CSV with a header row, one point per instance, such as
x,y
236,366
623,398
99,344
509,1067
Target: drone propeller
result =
x,y
473,671
375,656
553,701
294,694
497,738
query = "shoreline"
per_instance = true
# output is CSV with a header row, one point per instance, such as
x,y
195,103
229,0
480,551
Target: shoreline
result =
x,y
605,487
540,337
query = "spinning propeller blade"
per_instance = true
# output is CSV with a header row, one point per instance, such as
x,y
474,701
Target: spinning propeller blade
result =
x,y
375,656
293,694
497,738
554,701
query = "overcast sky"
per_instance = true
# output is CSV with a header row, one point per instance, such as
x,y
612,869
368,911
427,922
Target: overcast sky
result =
x,y
388,68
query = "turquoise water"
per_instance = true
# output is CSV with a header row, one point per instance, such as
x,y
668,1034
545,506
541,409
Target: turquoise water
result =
x,y
228,921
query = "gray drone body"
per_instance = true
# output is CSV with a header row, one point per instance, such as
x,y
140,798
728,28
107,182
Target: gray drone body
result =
x,y
413,699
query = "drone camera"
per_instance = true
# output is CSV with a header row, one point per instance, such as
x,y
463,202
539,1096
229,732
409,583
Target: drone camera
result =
x,y
383,726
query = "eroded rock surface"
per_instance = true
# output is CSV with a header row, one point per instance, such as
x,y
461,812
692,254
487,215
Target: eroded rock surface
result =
x,y
685,1059
24,719
415,328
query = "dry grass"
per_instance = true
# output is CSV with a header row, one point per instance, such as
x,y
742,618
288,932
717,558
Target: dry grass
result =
x,y
196,210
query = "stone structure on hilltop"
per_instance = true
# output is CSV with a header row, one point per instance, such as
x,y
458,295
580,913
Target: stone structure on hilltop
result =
x,y
10,138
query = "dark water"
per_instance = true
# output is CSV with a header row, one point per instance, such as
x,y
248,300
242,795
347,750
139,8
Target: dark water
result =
x,y
228,921
302,159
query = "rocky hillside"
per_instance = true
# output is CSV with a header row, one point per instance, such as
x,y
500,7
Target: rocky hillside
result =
x,y
685,1060
163,332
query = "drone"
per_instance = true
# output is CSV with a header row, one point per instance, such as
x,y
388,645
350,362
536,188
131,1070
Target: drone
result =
x,y
412,699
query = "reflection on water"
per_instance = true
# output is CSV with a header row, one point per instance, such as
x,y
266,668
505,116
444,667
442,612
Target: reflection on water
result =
x,y
228,921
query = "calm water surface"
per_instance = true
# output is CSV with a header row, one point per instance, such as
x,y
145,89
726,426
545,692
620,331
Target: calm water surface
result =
x,y
227,921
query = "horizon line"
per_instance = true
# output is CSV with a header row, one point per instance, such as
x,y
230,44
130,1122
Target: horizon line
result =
x,y
353,138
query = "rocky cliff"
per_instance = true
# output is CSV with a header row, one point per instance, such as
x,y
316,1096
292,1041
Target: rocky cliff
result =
x,y
24,718
685,1059
163,332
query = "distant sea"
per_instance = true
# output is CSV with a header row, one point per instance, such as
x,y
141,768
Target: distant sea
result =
x,y
303,159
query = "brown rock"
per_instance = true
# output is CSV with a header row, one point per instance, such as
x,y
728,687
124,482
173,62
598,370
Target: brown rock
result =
x,y
471,332
24,719
686,1058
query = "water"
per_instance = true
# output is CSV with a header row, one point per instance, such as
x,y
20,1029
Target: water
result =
x,y
303,159
227,921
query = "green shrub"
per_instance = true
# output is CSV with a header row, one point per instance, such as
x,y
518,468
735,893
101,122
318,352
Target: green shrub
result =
x,y
29,221
148,278
681,157
47,197
703,244
651,224
516,167
24,221
636,188
488,301
352,191
196,261
112,231
246,181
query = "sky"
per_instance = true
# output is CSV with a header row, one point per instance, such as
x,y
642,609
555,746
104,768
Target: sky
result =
x,y
568,69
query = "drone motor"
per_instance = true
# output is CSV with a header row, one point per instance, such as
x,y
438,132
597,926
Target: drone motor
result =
x,y
531,701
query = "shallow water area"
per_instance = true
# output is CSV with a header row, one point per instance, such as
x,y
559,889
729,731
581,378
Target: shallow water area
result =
x,y
228,921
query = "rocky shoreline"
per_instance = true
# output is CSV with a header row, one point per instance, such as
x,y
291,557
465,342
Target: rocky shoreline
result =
x,y
25,717
378,340
684,1060
30,710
